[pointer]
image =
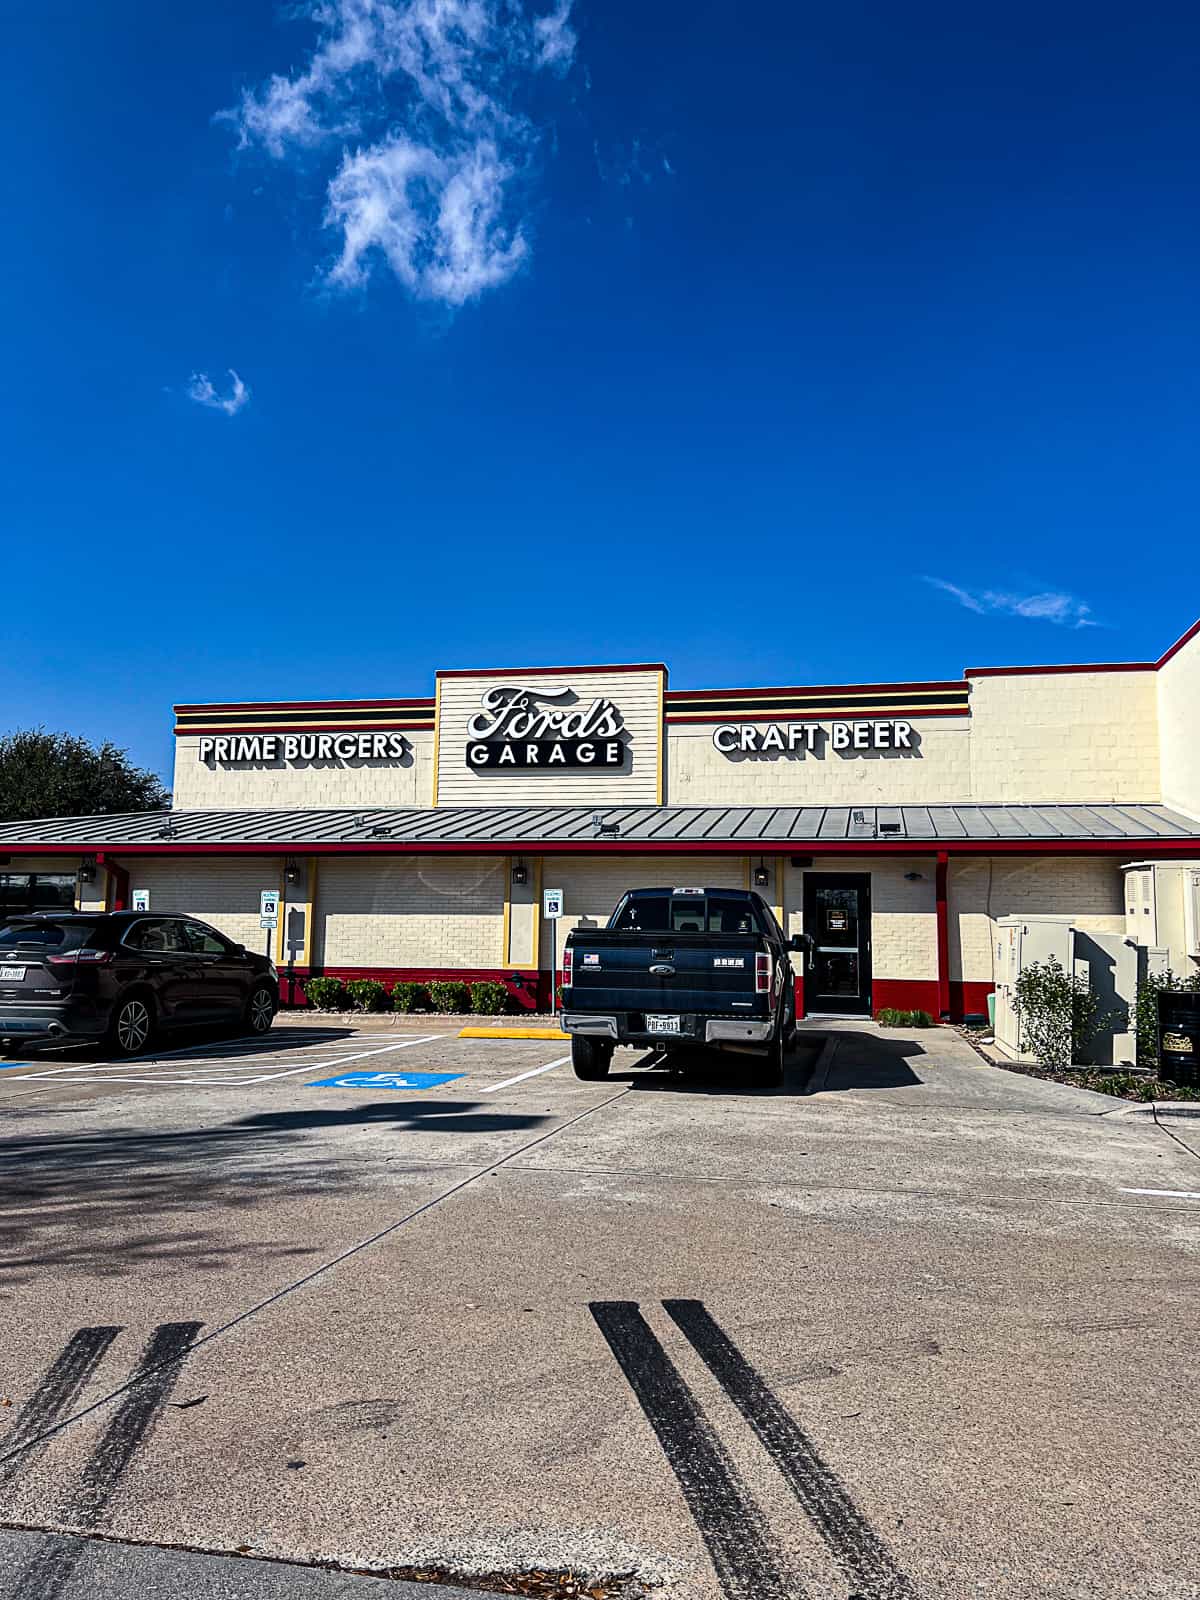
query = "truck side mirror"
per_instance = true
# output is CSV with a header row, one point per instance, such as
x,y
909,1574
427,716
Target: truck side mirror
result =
x,y
801,942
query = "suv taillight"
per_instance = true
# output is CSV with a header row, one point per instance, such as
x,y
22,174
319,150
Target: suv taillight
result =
x,y
568,956
77,958
762,973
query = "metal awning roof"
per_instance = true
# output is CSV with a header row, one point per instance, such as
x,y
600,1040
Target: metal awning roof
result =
x,y
612,828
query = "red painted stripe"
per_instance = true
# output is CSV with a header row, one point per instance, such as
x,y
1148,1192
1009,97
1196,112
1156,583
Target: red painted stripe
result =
x,y
822,688
679,719
1185,638
205,706
969,999
943,936
541,672
1131,848
906,994
233,731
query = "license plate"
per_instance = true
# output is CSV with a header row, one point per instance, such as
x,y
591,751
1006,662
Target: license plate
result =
x,y
664,1024
12,974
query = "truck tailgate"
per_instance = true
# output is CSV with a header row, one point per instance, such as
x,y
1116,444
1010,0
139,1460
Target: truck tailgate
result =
x,y
667,972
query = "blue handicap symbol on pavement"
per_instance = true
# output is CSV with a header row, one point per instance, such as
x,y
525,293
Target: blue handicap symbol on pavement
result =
x,y
386,1080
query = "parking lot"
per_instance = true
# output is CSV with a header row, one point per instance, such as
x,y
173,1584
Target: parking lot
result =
x,y
413,1304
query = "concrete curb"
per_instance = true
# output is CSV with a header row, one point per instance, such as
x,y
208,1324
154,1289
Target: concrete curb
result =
x,y
820,1072
1163,1108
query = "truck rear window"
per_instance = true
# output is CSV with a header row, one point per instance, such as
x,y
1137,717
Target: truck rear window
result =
x,y
685,913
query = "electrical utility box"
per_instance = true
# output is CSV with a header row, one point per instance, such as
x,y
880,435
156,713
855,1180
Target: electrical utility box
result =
x,y
1021,941
1162,909
1111,964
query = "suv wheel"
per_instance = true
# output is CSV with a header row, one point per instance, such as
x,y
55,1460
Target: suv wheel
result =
x,y
260,1009
591,1058
131,1029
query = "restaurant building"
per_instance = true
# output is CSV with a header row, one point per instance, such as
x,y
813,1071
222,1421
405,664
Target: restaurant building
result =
x,y
412,838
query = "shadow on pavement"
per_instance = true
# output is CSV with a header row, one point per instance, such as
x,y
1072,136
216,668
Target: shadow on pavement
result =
x,y
187,1044
865,1061
110,1202
701,1072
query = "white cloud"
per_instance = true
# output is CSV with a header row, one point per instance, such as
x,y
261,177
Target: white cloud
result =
x,y
430,92
1065,610
202,390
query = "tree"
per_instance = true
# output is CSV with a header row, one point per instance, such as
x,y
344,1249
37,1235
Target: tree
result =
x,y
58,775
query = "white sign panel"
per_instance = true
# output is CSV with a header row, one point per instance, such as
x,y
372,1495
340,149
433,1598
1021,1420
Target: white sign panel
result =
x,y
268,908
552,903
141,899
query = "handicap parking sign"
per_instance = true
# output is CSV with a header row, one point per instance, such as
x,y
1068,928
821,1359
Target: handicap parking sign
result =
x,y
386,1080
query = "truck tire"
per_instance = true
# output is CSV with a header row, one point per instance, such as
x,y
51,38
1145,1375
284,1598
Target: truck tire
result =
x,y
591,1058
768,1073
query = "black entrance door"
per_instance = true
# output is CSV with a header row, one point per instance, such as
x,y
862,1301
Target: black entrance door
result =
x,y
837,916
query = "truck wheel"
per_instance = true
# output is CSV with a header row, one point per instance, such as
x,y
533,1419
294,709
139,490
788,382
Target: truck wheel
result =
x,y
769,1072
591,1058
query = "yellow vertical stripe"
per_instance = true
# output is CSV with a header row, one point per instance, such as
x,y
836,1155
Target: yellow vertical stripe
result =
x,y
437,736
506,933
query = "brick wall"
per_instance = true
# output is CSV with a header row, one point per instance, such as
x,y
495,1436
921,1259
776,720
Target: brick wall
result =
x,y
1087,888
410,911
224,893
278,785
1083,736
1179,723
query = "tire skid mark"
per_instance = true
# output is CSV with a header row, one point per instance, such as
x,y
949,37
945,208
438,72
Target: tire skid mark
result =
x,y
750,1563
859,1551
50,1570
57,1392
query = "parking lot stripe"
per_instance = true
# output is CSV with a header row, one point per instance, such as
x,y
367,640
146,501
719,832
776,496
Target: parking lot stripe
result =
x,y
858,1550
1171,1194
532,1073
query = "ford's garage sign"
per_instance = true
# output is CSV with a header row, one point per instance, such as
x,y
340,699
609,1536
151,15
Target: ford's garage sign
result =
x,y
522,727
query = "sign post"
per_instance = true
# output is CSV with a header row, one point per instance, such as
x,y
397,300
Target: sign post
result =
x,y
552,909
268,914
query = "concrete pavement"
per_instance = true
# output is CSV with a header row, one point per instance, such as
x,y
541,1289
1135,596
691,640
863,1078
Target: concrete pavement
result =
x,y
941,1349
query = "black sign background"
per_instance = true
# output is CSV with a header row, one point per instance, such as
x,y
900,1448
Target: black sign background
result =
x,y
485,755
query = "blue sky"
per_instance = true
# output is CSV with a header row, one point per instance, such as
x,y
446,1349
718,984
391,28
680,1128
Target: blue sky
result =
x,y
782,343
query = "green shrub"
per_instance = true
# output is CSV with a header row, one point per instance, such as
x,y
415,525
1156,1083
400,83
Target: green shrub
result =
x,y
891,1017
1146,1009
449,995
366,994
326,994
488,999
410,997
1060,1015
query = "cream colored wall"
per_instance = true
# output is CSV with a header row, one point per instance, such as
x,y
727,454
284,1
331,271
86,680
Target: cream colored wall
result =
x,y
637,696
1065,736
940,770
903,914
279,785
1179,728
980,889
223,892
410,911
592,885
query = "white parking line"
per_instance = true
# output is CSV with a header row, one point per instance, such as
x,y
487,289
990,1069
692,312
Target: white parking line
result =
x,y
122,1073
532,1073
1170,1194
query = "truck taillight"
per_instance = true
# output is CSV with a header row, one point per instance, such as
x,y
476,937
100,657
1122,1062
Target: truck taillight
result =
x,y
762,973
566,968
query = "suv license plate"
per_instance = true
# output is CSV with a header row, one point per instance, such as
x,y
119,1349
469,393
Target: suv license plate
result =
x,y
12,974
664,1024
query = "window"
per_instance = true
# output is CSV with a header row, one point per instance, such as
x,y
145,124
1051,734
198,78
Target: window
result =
x,y
687,913
22,892
53,937
156,936
203,941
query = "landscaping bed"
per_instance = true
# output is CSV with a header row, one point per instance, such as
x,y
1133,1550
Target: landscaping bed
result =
x,y
1121,1085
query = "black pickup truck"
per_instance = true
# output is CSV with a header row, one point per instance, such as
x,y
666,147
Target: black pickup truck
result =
x,y
677,968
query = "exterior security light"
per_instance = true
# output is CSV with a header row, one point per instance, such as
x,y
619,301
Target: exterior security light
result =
x,y
87,870
292,871
520,873
761,877
913,877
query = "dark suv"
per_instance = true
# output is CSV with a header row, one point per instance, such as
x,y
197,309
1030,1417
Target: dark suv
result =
x,y
121,975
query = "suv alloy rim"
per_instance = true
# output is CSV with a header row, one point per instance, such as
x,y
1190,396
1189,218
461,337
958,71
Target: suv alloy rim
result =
x,y
260,1011
133,1025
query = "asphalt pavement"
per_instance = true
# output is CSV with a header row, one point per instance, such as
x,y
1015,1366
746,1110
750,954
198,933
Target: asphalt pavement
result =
x,y
912,1327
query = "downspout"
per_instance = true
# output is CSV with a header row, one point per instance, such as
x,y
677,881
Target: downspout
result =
x,y
120,880
943,936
